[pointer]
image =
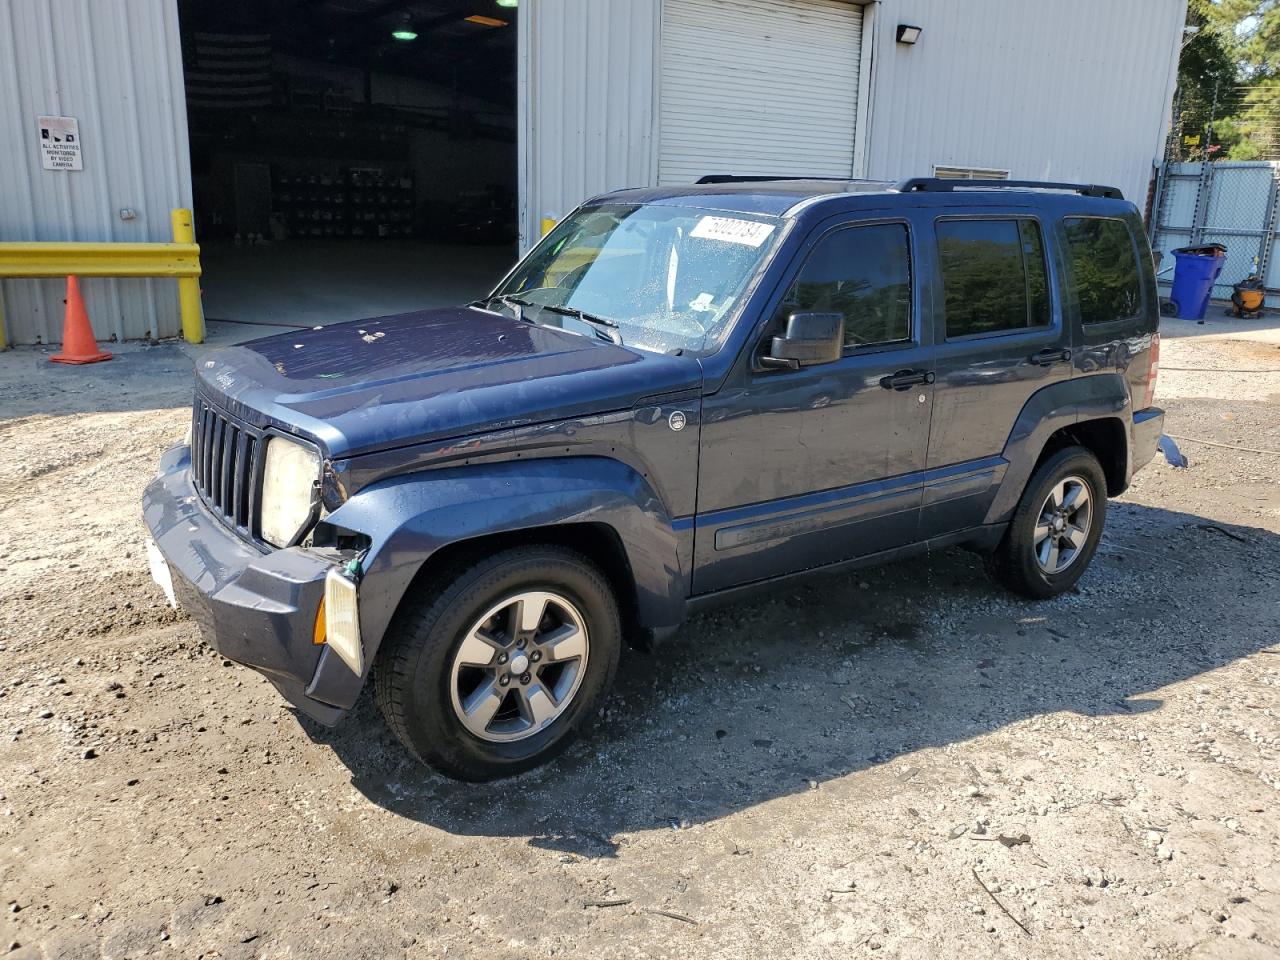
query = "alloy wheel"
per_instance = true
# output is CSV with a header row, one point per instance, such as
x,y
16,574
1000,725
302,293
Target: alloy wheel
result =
x,y
1063,525
519,666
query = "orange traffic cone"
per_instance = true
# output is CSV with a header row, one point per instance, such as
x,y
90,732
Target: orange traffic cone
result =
x,y
78,345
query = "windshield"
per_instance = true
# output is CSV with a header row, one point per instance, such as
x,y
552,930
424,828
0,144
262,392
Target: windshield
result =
x,y
668,277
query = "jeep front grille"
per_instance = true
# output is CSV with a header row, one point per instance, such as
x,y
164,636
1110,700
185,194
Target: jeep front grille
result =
x,y
225,466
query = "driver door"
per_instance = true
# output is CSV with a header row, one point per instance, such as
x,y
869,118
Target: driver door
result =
x,y
802,468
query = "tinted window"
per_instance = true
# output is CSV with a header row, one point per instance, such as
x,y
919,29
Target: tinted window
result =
x,y
1104,269
993,274
863,273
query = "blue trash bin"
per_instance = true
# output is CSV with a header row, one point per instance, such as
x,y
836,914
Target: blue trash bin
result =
x,y
1193,276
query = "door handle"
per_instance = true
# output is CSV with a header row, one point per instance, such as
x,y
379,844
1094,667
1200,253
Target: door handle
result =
x,y
905,379
1049,356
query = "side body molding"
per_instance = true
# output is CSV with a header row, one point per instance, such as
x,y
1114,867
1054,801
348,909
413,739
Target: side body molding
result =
x,y
1063,404
410,518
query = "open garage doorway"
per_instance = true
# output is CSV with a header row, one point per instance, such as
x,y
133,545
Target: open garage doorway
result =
x,y
350,158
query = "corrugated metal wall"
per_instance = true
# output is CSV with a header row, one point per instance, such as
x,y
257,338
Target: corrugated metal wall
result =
x,y
1047,89
115,65
588,112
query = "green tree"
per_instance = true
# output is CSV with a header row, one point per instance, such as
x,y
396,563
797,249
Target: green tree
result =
x,y
1251,30
1208,75
1237,49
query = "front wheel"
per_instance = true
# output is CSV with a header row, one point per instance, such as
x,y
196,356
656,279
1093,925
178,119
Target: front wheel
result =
x,y
1055,528
496,672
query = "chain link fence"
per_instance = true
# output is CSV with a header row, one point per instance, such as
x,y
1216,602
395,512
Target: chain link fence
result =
x,y
1234,203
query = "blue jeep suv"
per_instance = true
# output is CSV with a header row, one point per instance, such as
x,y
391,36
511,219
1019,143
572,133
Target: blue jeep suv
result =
x,y
681,396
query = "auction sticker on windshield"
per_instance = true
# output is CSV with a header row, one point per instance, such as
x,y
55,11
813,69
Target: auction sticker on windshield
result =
x,y
731,230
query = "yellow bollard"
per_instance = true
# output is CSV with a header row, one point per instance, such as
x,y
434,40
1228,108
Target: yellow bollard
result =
x,y
548,224
188,287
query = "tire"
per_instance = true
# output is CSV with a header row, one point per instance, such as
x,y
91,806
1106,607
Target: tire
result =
x,y
424,687
1019,562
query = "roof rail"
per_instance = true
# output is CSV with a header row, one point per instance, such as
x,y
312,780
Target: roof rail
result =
x,y
943,185
733,178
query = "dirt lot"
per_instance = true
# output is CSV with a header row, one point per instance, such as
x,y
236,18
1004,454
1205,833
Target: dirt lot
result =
x,y
834,771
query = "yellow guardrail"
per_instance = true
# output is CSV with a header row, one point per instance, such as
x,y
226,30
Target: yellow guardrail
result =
x,y
99,260
179,259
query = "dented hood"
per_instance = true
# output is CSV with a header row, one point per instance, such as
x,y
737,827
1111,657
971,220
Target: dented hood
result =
x,y
431,375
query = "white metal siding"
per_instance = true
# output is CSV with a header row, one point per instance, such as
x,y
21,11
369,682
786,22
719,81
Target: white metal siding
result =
x,y
586,102
758,87
1047,90
116,65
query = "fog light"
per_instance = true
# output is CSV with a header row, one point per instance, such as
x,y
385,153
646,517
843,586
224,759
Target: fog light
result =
x,y
342,620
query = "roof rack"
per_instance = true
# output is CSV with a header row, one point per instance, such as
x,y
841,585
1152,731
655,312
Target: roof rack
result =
x,y
733,178
941,185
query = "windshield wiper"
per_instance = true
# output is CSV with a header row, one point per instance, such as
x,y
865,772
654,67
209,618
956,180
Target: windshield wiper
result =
x,y
610,331
513,304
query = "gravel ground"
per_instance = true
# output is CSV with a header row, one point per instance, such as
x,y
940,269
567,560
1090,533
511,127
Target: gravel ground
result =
x,y
904,762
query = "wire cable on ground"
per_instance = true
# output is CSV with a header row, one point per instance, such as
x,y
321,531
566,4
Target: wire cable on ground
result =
x,y
1163,368
1226,446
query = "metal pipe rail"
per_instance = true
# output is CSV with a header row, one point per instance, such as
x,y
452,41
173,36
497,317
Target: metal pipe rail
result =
x,y
179,260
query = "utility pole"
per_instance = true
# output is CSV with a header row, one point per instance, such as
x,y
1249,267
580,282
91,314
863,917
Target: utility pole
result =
x,y
1208,127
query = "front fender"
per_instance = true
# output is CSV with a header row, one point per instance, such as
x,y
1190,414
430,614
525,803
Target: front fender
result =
x,y
410,518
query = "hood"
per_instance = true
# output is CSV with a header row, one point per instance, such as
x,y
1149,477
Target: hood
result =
x,y
431,375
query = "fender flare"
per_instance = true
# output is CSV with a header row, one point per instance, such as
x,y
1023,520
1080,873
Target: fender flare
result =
x,y
1063,404
410,518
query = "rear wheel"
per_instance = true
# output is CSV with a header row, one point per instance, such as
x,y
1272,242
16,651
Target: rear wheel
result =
x,y
1055,528
496,672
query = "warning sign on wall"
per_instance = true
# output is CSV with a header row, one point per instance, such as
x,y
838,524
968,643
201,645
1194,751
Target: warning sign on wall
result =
x,y
60,143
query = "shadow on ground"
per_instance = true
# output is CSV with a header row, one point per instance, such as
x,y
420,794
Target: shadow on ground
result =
x,y
846,672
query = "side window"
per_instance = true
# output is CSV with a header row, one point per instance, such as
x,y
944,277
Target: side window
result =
x,y
863,273
1104,269
993,275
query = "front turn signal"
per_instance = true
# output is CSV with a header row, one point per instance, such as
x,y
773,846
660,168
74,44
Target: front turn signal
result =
x,y
317,630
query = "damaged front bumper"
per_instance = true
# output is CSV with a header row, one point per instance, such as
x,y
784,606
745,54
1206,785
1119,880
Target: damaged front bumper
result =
x,y
255,607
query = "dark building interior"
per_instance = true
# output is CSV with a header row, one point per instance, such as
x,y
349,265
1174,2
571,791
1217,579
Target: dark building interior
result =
x,y
347,154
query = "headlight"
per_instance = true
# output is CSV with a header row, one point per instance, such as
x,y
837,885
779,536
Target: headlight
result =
x,y
289,481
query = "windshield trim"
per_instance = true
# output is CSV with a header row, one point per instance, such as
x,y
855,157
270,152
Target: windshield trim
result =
x,y
712,343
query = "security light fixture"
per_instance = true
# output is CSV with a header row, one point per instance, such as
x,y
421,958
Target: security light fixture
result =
x,y
404,35
909,34
508,3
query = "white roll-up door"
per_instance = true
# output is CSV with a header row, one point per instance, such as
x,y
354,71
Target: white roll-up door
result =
x,y
758,87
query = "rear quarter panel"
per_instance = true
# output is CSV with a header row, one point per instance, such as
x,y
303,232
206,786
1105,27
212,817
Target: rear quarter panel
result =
x,y
1124,345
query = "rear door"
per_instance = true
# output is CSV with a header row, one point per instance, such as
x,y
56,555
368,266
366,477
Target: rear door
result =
x,y
1001,337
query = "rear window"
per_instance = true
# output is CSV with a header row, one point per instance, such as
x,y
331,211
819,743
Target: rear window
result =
x,y
1104,269
993,276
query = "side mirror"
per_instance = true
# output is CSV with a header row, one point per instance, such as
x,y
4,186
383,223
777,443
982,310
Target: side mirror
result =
x,y
810,339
